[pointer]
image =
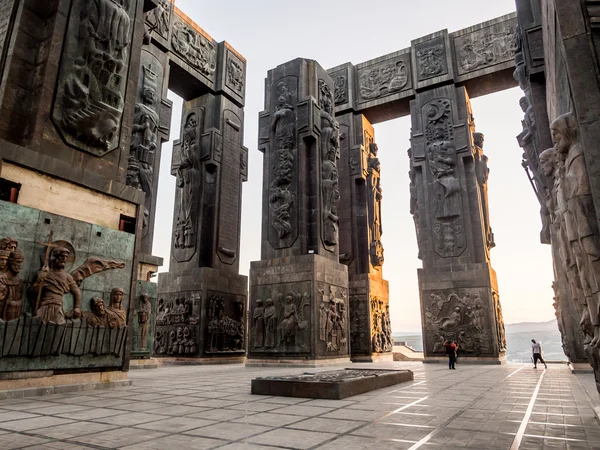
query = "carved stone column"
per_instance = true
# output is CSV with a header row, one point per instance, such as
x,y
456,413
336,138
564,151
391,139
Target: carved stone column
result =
x,y
458,287
299,290
362,251
201,310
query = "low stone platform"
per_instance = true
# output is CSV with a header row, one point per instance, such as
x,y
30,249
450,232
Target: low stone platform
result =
x,y
330,385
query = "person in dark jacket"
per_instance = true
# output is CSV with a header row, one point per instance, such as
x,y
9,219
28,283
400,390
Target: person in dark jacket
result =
x,y
451,348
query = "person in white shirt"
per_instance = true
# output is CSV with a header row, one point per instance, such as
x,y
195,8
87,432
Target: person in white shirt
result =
x,y
536,349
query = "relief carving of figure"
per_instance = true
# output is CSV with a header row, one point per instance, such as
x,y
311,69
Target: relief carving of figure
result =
x,y
52,283
290,320
235,74
97,317
117,315
194,48
575,201
11,287
92,103
270,324
140,171
482,173
485,49
281,196
374,204
144,314
259,324
384,80
188,183
431,61
159,17
330,153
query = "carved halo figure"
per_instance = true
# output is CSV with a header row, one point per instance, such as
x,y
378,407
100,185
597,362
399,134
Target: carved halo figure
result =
x,y
11,288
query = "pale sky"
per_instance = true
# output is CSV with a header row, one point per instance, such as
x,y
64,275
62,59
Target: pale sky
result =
x,y
271,32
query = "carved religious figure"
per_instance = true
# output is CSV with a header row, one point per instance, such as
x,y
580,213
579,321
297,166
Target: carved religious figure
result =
x,y
259,324
290,320
92,102
330,153
52,283
8,244
281,196
159,17
374,204
140,171
188,183
482,173
431,61
441,156
11,288
144,314
116,313
575,201
270,324
97,316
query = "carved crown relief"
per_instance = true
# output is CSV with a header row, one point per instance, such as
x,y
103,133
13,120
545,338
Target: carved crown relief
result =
x,y
93,75
382,80
486,47
198,51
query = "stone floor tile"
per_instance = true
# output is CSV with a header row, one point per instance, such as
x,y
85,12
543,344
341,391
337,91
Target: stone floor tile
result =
x,y
219,414
291,438
58,445
138,406
16,440
337,426
91,413
301,410
177,410
256,407
229,431
213,403
354,414
176,424
6,416
34,423
71,430
269,419
130,419
120,438
178,441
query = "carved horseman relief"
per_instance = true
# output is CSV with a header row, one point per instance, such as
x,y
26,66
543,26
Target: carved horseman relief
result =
x,y
188,186
486,47
144,140
93,75
383,79
226,324
457,315
159,18
442,162
282,188
195,49
374,205
330,153
431,61
381,328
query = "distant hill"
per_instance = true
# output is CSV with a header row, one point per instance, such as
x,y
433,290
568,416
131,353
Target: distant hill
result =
x,y
518,340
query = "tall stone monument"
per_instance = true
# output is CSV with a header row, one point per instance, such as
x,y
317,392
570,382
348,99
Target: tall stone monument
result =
x,y
448,179
362,250
299,289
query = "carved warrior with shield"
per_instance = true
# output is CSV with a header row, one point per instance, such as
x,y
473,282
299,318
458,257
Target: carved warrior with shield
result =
x,y
574,195
281,196
330,153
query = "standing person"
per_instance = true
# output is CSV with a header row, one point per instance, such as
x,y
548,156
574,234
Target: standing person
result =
x,y
451,352
536,349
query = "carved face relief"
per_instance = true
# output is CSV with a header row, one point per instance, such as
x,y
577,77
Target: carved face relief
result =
x,y
15,262
548,162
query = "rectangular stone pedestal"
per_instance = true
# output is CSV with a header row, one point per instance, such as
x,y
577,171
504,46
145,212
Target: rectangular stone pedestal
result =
x,y
201,313
460,303
370,328
331,385
298,311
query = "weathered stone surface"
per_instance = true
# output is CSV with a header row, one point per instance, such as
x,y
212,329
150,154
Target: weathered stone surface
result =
x,y
331,385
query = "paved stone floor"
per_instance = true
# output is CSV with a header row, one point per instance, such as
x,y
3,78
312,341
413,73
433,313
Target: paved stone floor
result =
x,y
194,407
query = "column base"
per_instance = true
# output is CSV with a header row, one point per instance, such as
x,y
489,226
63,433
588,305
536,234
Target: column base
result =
x,y
500,360
282,362
299,312
374,358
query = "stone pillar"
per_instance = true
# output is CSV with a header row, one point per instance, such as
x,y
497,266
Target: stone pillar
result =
x,y
448,172
299,290
362,251
201,310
